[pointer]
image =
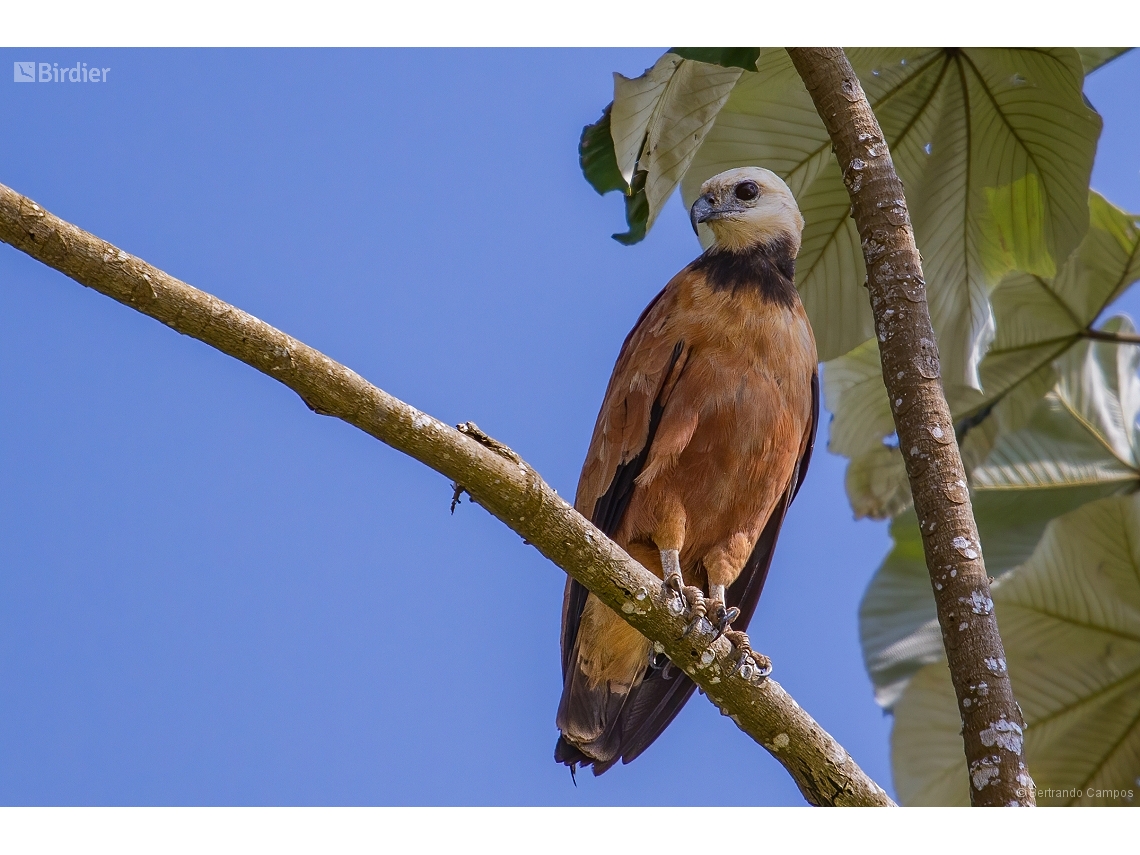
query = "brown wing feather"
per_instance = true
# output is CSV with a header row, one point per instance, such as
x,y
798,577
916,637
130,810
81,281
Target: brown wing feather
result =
x,y
622,437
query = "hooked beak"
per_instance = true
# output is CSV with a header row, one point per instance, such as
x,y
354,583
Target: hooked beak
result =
x,y
703,210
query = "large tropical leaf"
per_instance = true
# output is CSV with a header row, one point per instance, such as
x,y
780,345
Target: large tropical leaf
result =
x,y
995,148
1092,58
745,57
658,121
1079,444
1070,619
898,622
1038,319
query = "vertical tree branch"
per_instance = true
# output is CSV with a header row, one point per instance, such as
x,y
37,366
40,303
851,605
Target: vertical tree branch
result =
x,y
492,474
992,723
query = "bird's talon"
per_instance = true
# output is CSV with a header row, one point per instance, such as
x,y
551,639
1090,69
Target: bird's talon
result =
x,y
725,617
674,583
698,608
754,666
751,665
692,625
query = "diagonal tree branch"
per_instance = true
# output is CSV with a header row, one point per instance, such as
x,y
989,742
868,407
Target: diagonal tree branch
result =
x,y
992,723
492,474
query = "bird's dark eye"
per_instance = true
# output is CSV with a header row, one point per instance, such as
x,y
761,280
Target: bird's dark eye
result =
x,y
746,191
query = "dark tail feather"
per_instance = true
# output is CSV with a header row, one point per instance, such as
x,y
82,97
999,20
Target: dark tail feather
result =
x,y
606,726
589,717
652,706
569,754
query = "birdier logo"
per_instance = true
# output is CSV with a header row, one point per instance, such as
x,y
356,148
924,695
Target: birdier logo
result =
x,y
52,72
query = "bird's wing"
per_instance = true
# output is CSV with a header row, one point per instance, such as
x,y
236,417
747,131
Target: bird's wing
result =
x,y
744,593
657,700
647,370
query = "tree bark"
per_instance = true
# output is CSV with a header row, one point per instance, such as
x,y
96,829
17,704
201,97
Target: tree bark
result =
x,y
992,723
493,475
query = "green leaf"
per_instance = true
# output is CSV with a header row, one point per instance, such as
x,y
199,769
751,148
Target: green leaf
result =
x,y
898,621
1083,432
636,212
876,483
1070,621
658,122
636,102
739,57
854,393
596,156
983,139
599,164
1094,58
1078,445
1038,320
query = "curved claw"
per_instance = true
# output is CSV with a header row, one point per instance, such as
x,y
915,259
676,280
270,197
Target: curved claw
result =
x,y
692,625
750,669
697,607
751,665
724,619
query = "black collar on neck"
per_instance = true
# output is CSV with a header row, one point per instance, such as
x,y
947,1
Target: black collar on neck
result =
x,y
769,268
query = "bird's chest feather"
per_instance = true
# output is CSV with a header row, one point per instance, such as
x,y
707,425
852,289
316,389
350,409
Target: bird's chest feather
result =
x,y
746,390
749,364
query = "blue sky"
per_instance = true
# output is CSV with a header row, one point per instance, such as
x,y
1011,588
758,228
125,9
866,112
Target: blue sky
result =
x,y
209,595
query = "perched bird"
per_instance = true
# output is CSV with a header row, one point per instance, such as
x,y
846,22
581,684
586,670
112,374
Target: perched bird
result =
x,y
701,444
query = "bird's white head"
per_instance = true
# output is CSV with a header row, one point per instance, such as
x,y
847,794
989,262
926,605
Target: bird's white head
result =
x,y
748,207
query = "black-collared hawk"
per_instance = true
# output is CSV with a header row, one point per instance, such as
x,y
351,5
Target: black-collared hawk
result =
x,y
701,444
